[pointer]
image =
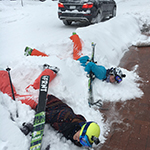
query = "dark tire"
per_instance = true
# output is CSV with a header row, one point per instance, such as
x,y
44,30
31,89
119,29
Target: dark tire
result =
x,y
98,18
67,22
113,12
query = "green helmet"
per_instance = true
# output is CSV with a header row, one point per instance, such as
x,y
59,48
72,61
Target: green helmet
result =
x,y
93,130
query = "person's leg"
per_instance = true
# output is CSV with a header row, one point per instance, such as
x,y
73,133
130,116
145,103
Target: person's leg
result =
x,y
28,100
5,86
38,53
36,83
33,52
77,47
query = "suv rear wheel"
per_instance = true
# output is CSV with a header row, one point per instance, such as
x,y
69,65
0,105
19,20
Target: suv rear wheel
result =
x,y
67,22
113,12
98,18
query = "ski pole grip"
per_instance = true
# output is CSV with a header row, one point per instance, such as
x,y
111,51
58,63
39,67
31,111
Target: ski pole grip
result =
x,y
8,69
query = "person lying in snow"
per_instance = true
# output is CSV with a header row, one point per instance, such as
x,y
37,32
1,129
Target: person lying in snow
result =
x,y
59,115
111,75
73,127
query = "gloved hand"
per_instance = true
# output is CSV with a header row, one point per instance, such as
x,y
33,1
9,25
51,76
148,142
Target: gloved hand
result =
x,y
27,127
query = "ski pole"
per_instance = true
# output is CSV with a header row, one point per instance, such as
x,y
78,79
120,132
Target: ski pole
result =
x,y
12,90
91,78
93,51
22,3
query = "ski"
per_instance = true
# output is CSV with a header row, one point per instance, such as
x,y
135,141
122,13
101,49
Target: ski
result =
x,y
91,78
39,120
90,89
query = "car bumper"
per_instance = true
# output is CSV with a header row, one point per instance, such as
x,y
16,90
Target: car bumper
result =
x,y
81,16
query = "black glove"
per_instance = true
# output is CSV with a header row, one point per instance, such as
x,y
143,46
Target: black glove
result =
x,y
27,127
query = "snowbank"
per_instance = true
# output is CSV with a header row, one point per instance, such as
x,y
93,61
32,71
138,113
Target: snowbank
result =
x,y
112,38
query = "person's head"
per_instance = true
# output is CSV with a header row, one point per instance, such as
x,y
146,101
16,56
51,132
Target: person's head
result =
x,y
116,75
89,134
112,79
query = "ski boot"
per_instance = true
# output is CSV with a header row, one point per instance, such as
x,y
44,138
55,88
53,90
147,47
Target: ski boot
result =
x,y
53,68
28,51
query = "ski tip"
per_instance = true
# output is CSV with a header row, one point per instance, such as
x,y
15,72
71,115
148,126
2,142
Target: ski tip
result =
x,y
93,44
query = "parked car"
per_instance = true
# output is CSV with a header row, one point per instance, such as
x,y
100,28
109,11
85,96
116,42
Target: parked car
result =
x,y
91,11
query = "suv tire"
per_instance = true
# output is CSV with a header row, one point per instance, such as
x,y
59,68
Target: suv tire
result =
x,y
67,22
113,12
98,18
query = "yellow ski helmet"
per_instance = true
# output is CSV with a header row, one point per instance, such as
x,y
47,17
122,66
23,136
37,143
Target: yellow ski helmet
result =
x,y
88,133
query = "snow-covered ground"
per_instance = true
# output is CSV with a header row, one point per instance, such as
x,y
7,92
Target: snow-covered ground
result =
x,y
35,24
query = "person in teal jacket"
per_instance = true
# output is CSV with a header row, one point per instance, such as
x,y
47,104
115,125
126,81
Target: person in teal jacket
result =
x,y
111,75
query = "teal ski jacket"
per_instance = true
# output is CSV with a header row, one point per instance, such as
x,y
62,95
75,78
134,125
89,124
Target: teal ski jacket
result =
x,y
98,70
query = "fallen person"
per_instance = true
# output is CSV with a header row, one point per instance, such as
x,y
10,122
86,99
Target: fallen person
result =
x,y
112,75
59,115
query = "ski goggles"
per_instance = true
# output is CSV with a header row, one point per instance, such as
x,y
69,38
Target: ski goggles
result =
x,y
84,140
118,79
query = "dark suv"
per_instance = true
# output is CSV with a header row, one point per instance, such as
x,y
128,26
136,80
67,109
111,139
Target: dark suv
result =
x,y
91,11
